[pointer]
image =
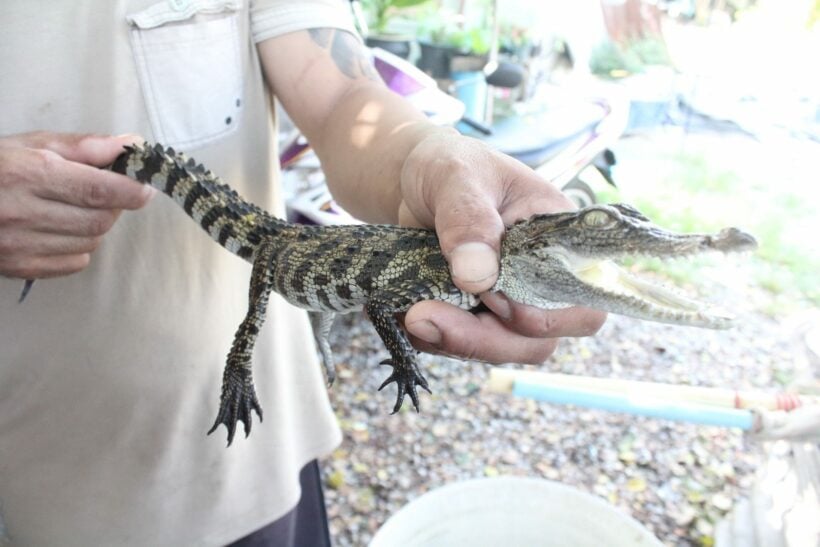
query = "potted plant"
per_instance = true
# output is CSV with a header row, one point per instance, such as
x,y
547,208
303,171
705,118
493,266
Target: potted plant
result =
x,y
462,38
436,49
380,34
471,48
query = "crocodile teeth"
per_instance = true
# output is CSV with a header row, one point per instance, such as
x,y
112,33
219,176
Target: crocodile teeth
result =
x,y
640,298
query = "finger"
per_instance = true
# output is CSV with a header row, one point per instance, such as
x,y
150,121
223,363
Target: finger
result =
x,y
82,185
444,184
17,247
530,194
96,150
39,267
470,230
439,327
53,244
53,217
535,322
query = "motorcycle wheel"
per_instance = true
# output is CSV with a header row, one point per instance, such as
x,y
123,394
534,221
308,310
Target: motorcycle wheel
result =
x,y
580,192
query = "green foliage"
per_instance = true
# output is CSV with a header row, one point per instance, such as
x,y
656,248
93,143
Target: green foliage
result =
x,y
513,38
476,41
381,11
610,60
814,15
650,51
469,32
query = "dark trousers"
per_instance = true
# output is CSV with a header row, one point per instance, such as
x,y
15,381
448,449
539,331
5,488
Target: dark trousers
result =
x,y
305,525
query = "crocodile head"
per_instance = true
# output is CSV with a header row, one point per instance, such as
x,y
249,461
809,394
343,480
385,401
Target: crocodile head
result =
x,y
566,259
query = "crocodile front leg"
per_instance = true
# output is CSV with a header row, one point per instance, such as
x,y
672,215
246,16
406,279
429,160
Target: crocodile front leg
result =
x,y
238,397
406,372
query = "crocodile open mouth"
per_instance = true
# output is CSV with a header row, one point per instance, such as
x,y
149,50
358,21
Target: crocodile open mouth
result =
x,y
637,297
567,259
614,289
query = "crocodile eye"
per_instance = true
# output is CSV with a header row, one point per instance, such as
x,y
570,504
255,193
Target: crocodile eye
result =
x,y
598,219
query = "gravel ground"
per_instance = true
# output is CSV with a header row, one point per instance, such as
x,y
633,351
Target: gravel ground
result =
x,y
677,479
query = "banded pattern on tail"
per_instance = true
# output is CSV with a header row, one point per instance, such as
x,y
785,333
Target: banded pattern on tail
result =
x,y
236,224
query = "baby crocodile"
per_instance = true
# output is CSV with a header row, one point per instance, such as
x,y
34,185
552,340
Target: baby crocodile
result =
x,y
549,261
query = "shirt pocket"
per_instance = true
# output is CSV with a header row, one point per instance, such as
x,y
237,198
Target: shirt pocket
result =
x,y
189,64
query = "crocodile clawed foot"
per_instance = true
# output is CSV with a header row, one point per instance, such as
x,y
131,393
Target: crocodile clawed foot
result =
x,y
330,375
236,403
407,377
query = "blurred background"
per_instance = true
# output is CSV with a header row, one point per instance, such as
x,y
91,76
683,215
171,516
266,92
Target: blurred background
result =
x,y
712,115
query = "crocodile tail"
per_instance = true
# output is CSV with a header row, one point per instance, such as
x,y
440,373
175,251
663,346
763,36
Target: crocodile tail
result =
x,y
236,224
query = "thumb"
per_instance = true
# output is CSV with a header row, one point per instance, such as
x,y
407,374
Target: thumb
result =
x,y
96,150
470,237
454,184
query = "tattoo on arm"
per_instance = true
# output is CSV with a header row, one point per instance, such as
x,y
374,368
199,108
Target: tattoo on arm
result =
x,y
346,51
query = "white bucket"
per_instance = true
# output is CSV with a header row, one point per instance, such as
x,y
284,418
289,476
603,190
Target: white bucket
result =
x,y
510,512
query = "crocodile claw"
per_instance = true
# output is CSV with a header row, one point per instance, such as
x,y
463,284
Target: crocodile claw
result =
x,y
236,403
407,377
26,288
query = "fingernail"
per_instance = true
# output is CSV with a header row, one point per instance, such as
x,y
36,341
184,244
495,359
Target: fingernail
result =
x,y
500,305
130,137
149,192
425,330
474,262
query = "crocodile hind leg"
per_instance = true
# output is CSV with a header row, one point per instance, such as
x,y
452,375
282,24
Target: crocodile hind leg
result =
x,y
406,372
238,397
322,321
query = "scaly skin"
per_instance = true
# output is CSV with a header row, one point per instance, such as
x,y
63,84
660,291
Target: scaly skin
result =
x,y
550,261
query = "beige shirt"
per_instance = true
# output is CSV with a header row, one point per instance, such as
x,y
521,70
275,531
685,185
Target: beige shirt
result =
x,y
110,378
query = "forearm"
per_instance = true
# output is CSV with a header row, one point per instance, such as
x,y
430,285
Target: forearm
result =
x,y
361,131
363,149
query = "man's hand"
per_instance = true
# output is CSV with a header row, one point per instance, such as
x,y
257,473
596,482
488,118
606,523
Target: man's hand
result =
x,y
385,162
468,193
55,202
